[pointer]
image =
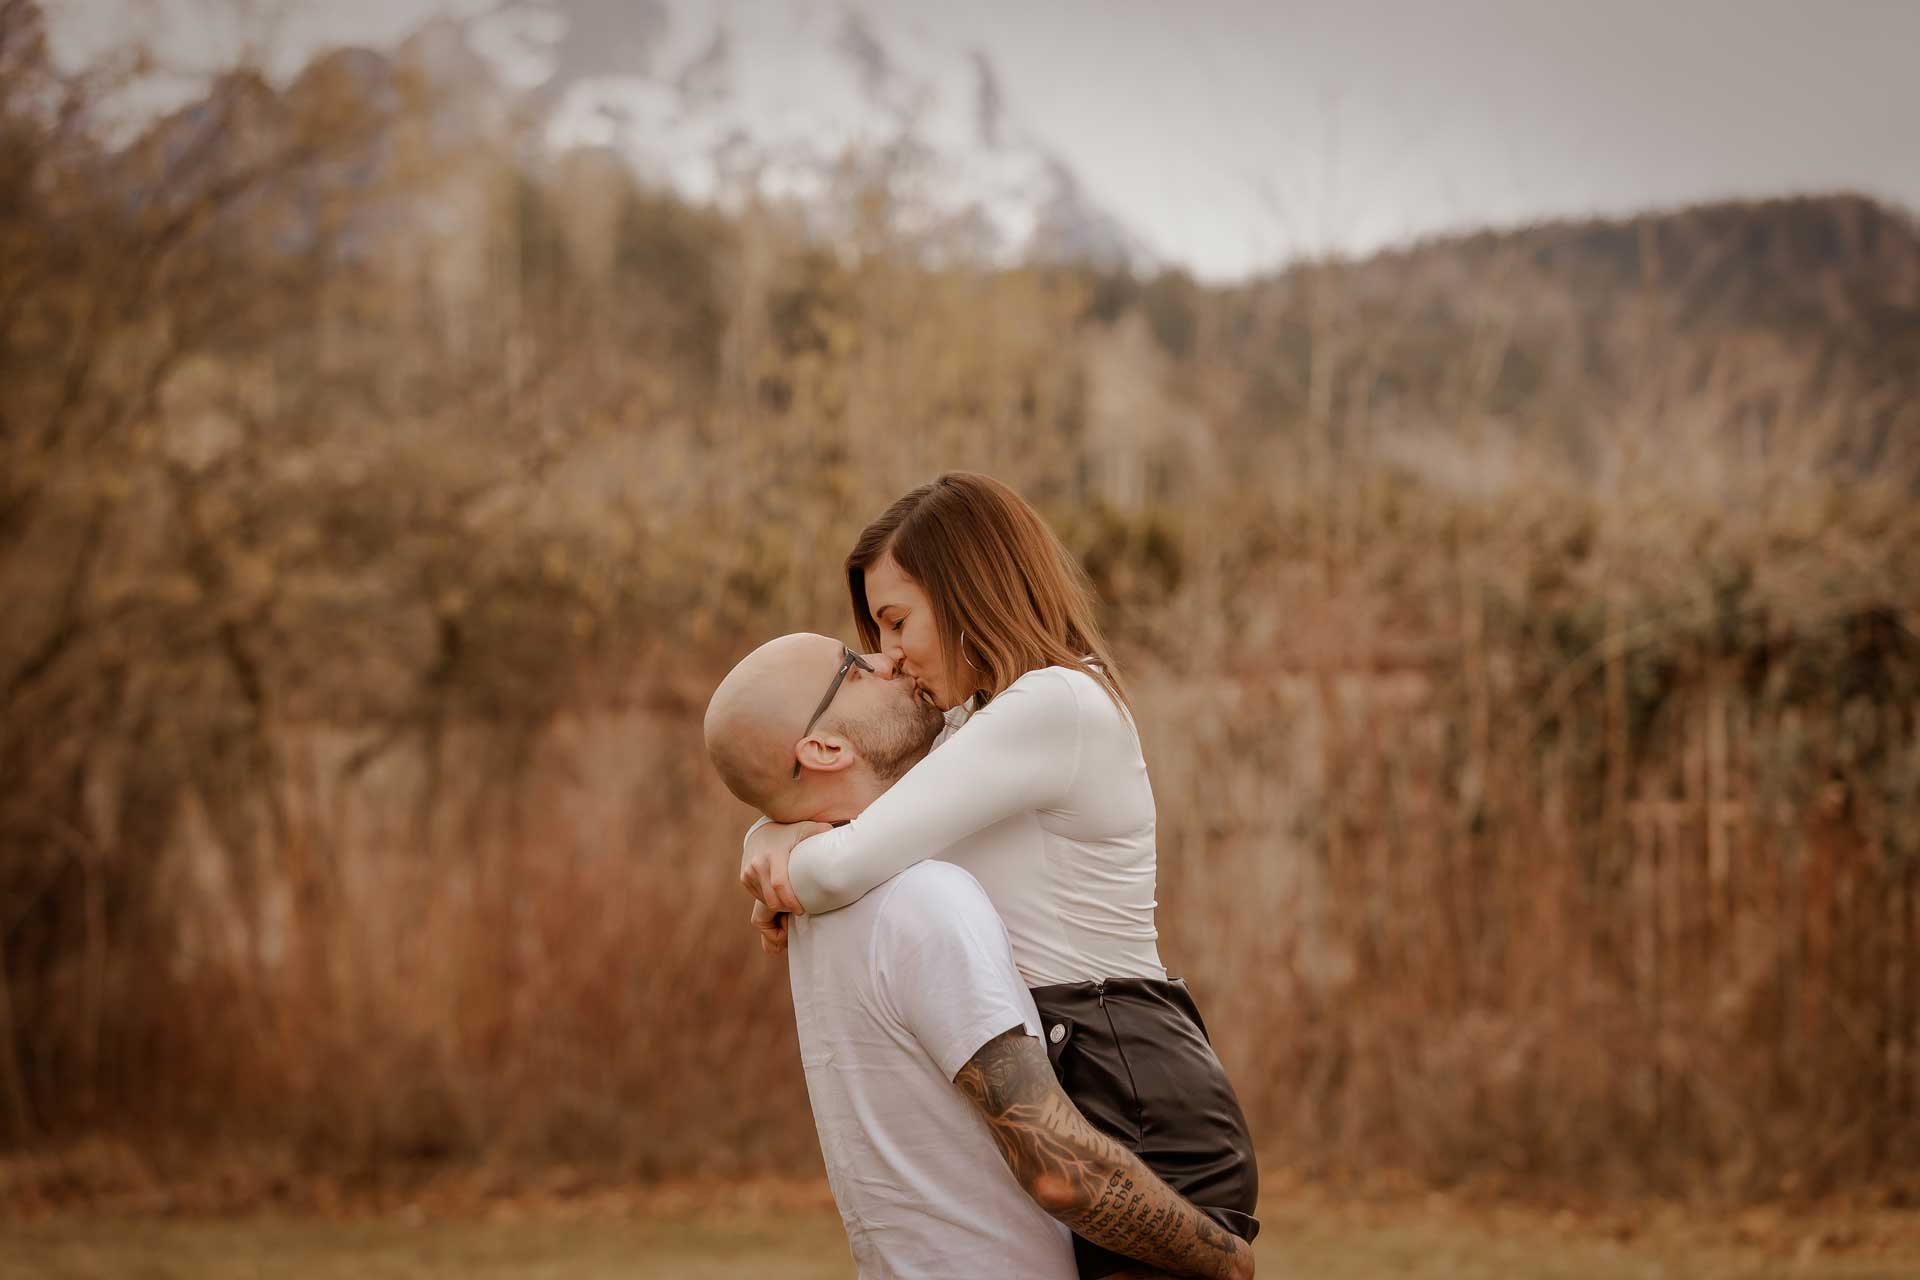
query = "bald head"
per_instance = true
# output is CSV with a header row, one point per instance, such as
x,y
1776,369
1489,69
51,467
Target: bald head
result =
x,y
873,730
757,713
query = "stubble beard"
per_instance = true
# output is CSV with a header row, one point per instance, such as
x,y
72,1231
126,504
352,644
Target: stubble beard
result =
x,y
894,742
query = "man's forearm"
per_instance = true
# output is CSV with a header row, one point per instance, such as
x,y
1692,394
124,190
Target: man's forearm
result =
x,y
1083,1177
1134,1213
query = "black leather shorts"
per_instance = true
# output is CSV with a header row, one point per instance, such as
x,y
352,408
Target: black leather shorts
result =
x,y
1134,1056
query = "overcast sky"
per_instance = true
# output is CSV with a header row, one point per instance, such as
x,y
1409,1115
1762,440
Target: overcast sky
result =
x,y
1234,133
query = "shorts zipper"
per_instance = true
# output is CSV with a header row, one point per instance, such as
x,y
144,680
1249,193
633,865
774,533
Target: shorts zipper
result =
x,y
1139,1116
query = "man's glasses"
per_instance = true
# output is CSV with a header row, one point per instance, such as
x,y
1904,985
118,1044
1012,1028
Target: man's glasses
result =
x,y
849,661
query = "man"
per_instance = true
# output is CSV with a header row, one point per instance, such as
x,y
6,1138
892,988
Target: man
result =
x,y
950,1147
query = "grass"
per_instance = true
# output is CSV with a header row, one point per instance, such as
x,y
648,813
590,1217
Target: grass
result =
x,y
805,1247
1331,1242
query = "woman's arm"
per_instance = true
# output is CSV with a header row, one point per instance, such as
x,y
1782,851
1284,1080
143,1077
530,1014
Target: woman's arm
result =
x,y
1017,754
763,862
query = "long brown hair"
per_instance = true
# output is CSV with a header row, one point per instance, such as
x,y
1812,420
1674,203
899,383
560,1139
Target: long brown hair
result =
x,y
1008,597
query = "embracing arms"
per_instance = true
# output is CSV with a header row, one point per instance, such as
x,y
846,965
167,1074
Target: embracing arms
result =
x,y
1017,754
1083,1177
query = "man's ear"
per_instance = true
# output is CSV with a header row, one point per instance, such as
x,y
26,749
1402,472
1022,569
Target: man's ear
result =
x,y
825,753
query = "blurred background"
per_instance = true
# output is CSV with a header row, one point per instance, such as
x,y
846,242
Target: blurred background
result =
x,y
1493,430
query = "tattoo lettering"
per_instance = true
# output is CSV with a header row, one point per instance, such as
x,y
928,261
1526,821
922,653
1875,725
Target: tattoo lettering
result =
x,y
1083,1177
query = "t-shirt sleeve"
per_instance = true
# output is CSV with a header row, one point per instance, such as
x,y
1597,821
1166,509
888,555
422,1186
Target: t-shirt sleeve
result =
x,y
944,968
1017,754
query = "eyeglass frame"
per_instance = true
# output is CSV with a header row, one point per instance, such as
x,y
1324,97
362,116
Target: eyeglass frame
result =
x,y
848,662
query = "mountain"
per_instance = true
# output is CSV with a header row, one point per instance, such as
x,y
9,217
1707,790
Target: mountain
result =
x,y
1590,338
1810,265
836,112
819,104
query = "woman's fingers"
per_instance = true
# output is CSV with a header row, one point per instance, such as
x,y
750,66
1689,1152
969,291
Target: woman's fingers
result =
x,y
765,877
779,884
768,883
763,869
753,858
772,927
752,878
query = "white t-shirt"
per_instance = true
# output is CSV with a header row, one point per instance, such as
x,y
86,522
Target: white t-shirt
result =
x,y
1043,795
893,996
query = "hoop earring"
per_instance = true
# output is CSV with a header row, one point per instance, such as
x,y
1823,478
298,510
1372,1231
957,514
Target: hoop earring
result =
x,y
963,653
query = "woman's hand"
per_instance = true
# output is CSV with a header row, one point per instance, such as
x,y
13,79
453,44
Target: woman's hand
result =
x,y
763,863
773,928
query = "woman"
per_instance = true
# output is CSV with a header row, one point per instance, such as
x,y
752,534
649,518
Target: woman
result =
x,y
1039,789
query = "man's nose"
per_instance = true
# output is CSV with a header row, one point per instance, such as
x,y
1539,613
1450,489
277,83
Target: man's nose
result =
x,y
882,665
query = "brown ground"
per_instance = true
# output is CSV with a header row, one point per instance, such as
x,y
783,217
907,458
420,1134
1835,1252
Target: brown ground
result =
x,y
567,1228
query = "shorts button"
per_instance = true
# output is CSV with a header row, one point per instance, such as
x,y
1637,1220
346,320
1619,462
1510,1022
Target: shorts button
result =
x,y
1058,1033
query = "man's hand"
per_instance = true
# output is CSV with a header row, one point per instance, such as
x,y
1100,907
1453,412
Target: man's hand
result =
x,y
1083,1177
763,863
773,929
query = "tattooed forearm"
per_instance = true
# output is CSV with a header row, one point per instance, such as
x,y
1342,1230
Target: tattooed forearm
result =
x,y
1083,1177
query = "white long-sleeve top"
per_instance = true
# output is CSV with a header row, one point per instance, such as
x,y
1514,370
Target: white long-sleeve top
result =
x,y
1043,796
